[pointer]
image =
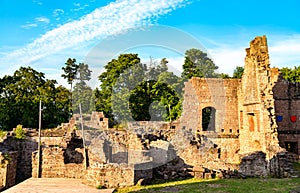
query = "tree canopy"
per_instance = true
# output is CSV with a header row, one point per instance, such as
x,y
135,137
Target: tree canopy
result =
x,y
291,74
113,69
198,64
70,71
20,96
132,89
128,89
83,93
238,72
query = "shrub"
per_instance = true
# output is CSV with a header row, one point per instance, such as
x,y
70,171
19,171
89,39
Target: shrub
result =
x,y
20,133
2,133
100,187
4,159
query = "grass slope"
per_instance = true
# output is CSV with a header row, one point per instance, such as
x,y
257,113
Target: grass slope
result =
x,y
262,185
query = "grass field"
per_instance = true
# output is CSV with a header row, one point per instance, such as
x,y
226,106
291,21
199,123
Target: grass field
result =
x,y
263,185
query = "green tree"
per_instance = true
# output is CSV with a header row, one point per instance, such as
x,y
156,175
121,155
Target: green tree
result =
x,y
82,93
224,76
291,74
153,95
127,82
198,64
70,71
133,90
108,79
238,72
19,99
84,73
148,92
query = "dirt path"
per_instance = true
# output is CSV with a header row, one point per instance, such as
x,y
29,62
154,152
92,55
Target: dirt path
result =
x,y
53,185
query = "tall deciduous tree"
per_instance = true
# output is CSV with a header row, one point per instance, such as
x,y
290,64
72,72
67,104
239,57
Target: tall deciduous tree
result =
x,y
70,71
83,93
130,89
83,72
198,64
19,99
238,72
114,69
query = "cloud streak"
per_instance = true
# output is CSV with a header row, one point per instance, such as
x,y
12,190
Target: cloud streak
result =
x,y
29,25
105,21
42,20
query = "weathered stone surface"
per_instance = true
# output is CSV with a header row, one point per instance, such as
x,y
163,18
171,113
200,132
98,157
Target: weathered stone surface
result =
x,y
54,185
241,138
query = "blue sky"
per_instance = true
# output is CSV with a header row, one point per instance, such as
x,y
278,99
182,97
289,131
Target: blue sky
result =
x,y
44,33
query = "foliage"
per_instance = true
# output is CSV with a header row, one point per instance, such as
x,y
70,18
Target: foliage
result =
x,y
121,126
100,187
83,72
238,72
70,71
20,133
82,93
130,89
145,94
2,133
20,95
5,159
224,76
198,64
260,185
108,79
291,74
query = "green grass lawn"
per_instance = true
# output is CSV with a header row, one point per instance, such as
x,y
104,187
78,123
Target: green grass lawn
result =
x,y
296,166
263,185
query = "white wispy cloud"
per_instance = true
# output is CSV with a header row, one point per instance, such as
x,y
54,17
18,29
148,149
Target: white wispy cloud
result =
x,y
57,12
29,25
37,21
79,7
42,20
37,2
102,22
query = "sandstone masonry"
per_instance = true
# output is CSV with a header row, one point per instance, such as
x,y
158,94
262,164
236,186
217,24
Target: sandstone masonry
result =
x,y
228,128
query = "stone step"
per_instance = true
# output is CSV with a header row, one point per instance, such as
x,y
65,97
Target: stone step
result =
x,y
295,174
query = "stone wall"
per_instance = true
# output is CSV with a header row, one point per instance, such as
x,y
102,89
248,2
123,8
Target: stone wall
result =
x,y
287,105
96,120
257,102
256,165
219,147
8,166
53,164
110,175
242,115
24,148
217,93
246,117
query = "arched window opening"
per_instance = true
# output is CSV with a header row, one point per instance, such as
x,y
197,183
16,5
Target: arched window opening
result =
x,y
208,119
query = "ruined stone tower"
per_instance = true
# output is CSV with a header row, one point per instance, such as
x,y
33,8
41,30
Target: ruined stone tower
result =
x,y
242,119
256,102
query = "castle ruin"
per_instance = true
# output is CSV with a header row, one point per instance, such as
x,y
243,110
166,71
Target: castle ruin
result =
x,y
243,125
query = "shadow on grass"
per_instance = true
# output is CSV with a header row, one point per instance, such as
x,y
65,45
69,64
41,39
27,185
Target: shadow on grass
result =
x,y
260,185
